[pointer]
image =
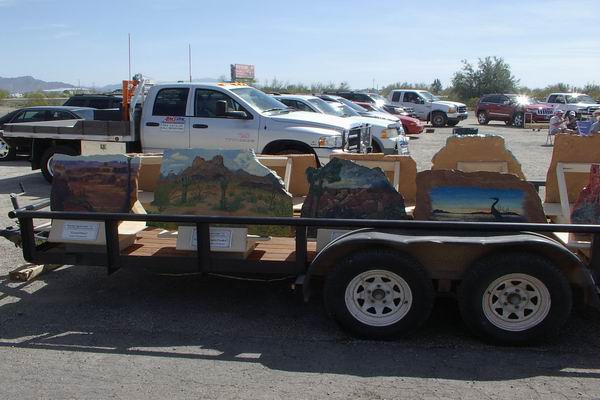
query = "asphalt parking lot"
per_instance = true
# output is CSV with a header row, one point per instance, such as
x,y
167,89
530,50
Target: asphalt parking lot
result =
x,y
78,333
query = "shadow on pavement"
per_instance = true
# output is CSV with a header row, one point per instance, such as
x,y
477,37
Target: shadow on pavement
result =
x,y
133,312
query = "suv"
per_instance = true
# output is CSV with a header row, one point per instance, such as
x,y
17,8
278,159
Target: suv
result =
x,y
512,109
582,104
429,108
362,97
99,101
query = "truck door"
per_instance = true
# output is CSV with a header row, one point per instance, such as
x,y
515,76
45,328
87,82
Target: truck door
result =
x,y
208,130
412,99
166,125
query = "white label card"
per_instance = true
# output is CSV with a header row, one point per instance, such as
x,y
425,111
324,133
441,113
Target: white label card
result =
x,y
80,230
219,238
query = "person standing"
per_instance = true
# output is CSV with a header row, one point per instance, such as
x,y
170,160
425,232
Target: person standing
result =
x,y
595,129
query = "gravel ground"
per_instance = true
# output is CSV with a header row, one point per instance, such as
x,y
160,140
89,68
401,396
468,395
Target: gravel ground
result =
x,y
77,333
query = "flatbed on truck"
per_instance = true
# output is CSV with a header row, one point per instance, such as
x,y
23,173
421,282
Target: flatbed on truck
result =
x,y
515,282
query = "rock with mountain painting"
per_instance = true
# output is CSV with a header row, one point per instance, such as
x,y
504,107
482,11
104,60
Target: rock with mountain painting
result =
x,y
446,195
219,182
344,189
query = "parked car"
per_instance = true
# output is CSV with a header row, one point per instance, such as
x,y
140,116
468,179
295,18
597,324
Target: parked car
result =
x,y
99,101
363,97
582,104
397,110
513,109
385,133
10,147
411,125
429,108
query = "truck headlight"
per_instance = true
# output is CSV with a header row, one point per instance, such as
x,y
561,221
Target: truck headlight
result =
x,y
451,110
330,141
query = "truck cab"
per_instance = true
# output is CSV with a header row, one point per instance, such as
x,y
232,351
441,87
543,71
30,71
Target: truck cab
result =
x,y
582,104
234,116
428,107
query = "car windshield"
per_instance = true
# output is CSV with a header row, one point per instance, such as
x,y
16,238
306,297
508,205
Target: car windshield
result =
x,y
428,96
325,107
352,105
582,98
259,100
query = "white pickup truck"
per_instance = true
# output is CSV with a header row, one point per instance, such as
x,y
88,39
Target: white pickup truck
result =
x,y
428,107
188,115
582,104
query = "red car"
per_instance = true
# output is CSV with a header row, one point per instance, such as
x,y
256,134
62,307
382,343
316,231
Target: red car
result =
x,y
513,109
412,126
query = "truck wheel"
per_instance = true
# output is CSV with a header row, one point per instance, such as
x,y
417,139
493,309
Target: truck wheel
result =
x,y
518,120
379,294
515,298
7,153
438,119
482,118
46,161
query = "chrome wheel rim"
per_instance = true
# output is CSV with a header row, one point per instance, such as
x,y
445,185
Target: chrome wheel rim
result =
x,y
49,165
518,121
378,298
481,117
516,302
437,120
4,149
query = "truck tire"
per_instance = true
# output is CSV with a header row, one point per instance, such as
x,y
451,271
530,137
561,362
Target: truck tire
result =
x,y
439,119
47,159
518,120
515,298
379,294
482,118
7,153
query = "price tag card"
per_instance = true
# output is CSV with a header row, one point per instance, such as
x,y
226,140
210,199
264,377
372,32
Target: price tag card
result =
x,y
80,230
219,238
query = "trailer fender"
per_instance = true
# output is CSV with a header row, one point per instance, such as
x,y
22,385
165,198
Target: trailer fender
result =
x,y
488,242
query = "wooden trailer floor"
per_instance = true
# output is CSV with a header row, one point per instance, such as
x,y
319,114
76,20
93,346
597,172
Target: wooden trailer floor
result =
x,y
277,249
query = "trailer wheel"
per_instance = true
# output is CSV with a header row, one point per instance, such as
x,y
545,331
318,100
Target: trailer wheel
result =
x,y
46,160
379,294
515,298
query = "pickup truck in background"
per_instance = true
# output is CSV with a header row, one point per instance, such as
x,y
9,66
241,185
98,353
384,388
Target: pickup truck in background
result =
x,y
188,115
582,104
428,107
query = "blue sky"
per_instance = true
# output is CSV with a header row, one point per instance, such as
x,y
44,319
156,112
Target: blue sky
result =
x,y
545,41
459,199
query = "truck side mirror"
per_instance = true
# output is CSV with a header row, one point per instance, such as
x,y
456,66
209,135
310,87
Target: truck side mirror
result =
x,y
221,108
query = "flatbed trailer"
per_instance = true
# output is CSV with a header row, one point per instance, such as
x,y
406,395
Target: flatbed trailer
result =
x,y
515,282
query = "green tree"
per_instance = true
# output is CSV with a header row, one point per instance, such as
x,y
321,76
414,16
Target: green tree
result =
x,y
4,94
492,75
436,87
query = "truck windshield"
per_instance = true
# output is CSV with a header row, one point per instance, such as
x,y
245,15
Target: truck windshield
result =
x,y
260,100
584,98
429,96
325,107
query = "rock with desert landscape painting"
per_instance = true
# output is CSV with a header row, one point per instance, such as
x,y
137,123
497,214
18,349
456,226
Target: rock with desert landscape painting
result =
x,y
219,182
445,195
97,183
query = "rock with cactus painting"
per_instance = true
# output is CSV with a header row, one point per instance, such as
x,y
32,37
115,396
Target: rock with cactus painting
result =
x,y
218,182
448,195
344,189
97,183
587,207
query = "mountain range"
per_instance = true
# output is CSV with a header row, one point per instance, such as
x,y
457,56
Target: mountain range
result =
x,y
24,84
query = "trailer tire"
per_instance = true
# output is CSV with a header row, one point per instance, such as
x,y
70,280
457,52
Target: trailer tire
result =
x,y
515,298
378,294
47,158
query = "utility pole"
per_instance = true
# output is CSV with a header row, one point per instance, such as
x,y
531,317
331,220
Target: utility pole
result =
x,y
190,60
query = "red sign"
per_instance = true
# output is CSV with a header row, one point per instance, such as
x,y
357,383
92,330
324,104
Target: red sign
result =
x,y
242,71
